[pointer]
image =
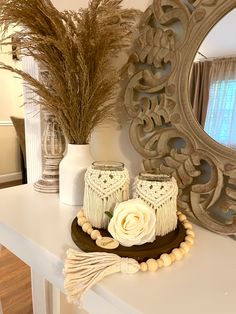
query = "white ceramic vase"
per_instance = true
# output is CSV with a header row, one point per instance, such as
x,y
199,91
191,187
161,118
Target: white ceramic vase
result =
x,y
72,169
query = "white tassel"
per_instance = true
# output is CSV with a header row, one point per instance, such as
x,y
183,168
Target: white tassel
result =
x,y
84,270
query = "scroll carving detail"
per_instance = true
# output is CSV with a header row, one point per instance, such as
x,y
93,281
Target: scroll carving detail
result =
x,y
163,129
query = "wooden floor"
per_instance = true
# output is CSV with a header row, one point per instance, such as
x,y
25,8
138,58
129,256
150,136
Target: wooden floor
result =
x,y
9,184
15,282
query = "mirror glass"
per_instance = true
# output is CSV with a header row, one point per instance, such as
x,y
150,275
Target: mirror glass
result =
x,y
213,82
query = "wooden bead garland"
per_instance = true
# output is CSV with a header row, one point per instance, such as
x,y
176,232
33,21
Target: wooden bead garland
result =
x,y
173,257
87,227
143,266
151,264
95,234
185,247
190,232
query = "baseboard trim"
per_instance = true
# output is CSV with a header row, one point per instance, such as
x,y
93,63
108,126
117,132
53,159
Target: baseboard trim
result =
x,y
6,123
14,176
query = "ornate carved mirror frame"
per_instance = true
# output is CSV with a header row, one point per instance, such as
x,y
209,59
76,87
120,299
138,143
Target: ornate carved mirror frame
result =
x,y
163,128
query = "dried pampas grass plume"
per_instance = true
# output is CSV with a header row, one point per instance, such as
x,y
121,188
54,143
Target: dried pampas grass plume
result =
x,y
77,50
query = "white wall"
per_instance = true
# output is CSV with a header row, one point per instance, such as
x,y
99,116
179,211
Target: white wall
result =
x,y
11,102
219,42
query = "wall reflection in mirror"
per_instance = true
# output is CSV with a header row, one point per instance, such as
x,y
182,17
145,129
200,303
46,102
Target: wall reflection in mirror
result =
x,y
213,82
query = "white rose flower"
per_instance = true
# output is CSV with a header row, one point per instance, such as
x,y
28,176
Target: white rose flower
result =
x,y
133,223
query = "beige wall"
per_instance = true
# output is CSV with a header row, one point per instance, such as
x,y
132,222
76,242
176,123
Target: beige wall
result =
x,y
9,151
11,101
75,4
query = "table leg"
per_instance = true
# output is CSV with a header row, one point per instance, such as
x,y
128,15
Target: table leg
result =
x,y
61,306
47,299
40,294
69,308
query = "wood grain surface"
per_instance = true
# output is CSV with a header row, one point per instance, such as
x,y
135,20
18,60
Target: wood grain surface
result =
x,y
15,284
15,279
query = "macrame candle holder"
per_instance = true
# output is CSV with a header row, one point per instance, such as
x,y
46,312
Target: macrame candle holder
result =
x,y
160,192
106,183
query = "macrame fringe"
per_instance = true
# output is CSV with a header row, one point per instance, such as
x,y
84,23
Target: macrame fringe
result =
x,y
94,206
84,270
166,217
164,204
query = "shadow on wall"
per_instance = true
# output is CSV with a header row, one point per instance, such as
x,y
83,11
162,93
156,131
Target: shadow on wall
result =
x,y
112,142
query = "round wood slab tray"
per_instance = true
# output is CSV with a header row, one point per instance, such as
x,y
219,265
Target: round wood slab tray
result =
x,y
140,253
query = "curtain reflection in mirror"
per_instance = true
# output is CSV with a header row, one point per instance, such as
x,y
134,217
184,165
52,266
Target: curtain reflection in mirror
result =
x,y
199,89
213,97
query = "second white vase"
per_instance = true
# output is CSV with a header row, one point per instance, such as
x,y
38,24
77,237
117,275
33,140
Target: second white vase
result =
x,y
71,173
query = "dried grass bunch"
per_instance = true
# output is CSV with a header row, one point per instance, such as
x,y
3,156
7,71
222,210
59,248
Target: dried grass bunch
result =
x,y
77,49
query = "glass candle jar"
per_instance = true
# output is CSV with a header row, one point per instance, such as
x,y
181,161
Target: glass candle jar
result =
x,y
106,183
160,192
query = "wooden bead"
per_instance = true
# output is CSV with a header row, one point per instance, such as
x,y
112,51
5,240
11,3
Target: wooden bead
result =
x,y
82,220
80,214
152,264
166,259
191,233
182,251
185,247
189,243
160,263
90,230
182,217
173,258
189,239
86,226
95,234
187,225
178,254
143,266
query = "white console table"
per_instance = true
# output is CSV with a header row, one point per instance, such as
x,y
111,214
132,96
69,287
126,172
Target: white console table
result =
x,y
36,228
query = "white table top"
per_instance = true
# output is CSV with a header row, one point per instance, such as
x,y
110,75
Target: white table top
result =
x,y
36,227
